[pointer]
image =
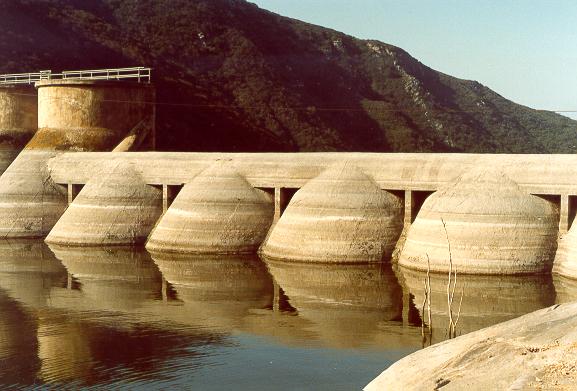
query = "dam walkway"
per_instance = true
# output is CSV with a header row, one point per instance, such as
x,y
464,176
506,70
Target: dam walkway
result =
x,y
138,74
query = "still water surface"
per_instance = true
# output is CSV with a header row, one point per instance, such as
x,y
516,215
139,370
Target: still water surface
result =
x,y
121,318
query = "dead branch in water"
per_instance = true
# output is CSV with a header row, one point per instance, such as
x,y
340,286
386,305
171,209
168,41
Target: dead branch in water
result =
x,y
427,301
451,285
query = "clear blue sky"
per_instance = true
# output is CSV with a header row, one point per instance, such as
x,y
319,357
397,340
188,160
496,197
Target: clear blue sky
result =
x,y
526,50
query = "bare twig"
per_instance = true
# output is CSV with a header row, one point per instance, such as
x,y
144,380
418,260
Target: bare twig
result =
x,y
459,311
429,294
451,285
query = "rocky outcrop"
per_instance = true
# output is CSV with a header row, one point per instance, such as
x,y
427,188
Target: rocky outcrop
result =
x,y
537,351
341,216
487,225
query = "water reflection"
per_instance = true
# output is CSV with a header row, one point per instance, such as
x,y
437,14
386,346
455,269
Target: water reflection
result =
x,y
90,327
345,306
218,291
28,270
487,300
118,316
112,278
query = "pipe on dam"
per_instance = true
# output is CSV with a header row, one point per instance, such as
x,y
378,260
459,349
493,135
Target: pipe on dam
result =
x,y
114,208
72,116
18,121
217,212
485,224
341,216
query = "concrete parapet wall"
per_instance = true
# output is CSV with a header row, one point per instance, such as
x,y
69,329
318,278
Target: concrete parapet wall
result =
x,y
538,174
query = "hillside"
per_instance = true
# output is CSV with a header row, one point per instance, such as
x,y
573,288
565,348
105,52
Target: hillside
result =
x,y
233,77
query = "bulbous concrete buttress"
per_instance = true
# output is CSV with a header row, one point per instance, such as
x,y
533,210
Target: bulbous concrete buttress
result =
x,y
493,227
114,208
72,116
217,212
565,263
18,121
340,216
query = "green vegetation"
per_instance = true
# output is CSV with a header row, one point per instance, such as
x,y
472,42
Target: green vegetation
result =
x,y
233,77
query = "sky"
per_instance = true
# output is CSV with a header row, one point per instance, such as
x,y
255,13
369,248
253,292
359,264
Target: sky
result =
x,y
525,50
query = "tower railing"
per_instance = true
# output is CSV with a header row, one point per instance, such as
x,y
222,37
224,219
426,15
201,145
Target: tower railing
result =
x,y
139,74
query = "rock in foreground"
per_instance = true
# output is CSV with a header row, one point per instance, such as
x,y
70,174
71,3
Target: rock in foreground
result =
x,y
535,351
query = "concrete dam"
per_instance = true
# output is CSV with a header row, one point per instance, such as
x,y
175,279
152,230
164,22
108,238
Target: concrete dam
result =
x,y
85,174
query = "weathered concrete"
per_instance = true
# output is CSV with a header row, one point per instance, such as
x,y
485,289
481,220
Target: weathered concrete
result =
x,y
487,299
115,208
340,216
217,212
565,263
487,225
537,174
18,121
77,116
89,115
537,351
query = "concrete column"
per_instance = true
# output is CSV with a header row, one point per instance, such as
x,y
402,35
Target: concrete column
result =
x,y
564,214
164,198
72,192
279,202
408,207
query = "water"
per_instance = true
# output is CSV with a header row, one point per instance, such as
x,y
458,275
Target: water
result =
x,y
121,318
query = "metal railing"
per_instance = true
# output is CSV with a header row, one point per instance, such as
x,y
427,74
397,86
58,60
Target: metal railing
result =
x,y
139,74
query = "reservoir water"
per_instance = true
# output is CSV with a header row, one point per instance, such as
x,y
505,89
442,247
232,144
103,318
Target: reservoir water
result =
x,y
123,318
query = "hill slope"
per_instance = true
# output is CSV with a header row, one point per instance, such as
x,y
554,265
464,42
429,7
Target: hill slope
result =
x,y
233,77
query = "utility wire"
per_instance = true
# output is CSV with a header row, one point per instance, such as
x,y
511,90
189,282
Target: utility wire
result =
x,y
299,108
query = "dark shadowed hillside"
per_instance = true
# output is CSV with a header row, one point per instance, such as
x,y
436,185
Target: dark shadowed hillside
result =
x,y
233,77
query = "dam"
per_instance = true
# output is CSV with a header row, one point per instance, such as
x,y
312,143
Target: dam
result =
x,y
89,176
531,196
166,256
